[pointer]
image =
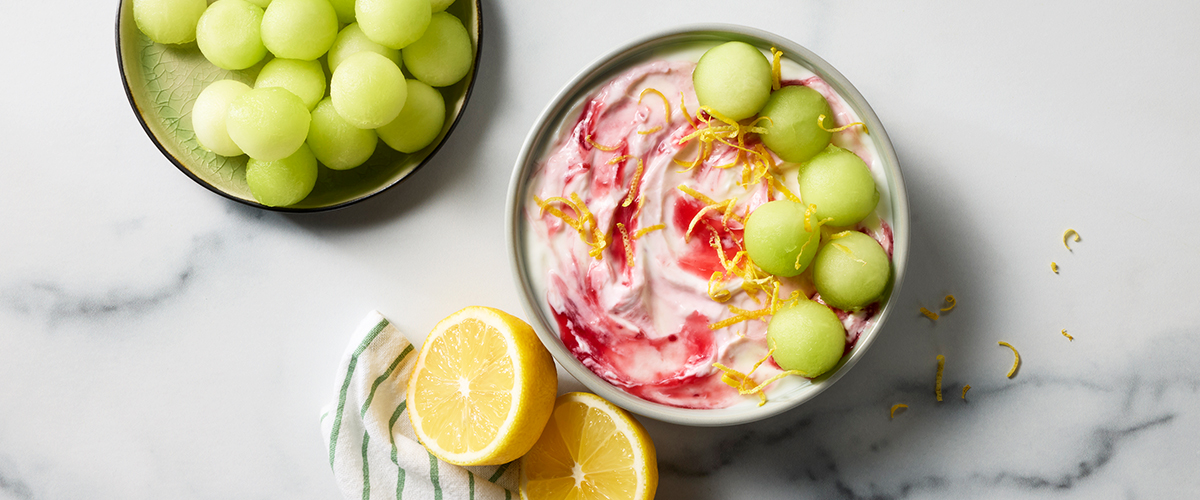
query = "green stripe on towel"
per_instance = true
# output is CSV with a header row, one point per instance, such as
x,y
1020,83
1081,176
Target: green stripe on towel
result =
x,y
337,420
366,469
400,474
435,477
499,472
384,377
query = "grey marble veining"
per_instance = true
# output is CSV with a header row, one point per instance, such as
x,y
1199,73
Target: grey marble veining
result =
x,y
158,341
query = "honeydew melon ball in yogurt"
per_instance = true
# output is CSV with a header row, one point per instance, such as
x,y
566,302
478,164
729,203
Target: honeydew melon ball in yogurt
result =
x,y
419,123
393,23
734,79
807,337
168,21
299,29
351,41
792,131
336,143
442,56
229,34
306,79
285,181
209,112
268,124
851,271
368,90
840,185
778,241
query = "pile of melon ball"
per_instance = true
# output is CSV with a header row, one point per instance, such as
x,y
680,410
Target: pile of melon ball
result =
x,y
287,122
850,270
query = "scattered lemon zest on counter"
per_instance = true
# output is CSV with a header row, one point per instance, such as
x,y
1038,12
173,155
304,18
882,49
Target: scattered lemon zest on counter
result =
x,y
941,366
739,380
601,147
1067,235
633,185
895,407
643,231
1054,267
666,103
929,314
683,106
1016,358
628,246
776,70
1067,335
950,303
821,123
965,389
650,130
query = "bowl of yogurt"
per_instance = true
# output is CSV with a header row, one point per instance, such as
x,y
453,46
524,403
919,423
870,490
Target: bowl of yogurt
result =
x,y
623,225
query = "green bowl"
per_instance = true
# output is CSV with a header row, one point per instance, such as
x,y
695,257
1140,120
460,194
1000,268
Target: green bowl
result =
x,y
163,81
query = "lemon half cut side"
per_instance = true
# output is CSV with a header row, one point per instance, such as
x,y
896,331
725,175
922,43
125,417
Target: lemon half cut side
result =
x,y
590,449
482,388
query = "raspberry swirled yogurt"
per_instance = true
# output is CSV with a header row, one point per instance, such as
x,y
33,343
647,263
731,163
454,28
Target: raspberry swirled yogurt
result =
x,y
625,239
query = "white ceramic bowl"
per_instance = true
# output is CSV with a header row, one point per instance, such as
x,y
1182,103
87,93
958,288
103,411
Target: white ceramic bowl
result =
x,y
565,108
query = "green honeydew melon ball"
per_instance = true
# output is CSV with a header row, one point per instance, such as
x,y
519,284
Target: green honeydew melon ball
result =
x,y
442,56
168,21
299,29
777,241
839,183
336,143
283,182
807,337
351,41
734,79
229,34
344,9
440,5
792,131
268,124
851,271
368,90
393,23
209,113
306,79
419,123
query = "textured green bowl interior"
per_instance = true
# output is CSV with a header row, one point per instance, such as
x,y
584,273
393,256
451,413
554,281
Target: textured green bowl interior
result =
x,y
164,80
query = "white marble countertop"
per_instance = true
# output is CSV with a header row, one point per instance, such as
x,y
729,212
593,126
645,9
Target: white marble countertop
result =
x,y
159,341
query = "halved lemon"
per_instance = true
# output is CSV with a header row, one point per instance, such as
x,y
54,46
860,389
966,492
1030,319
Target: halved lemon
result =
x,y
590,450
482,388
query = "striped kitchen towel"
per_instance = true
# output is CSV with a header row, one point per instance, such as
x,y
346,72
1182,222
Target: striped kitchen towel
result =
x,y
372,449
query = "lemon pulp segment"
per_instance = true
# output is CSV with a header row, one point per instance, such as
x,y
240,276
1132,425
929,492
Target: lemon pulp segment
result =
x,y
466,386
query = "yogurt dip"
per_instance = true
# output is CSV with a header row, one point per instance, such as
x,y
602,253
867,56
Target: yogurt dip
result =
x,y
630,291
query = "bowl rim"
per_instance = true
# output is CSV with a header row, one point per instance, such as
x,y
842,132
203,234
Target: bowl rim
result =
x,y
543,130
137,111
